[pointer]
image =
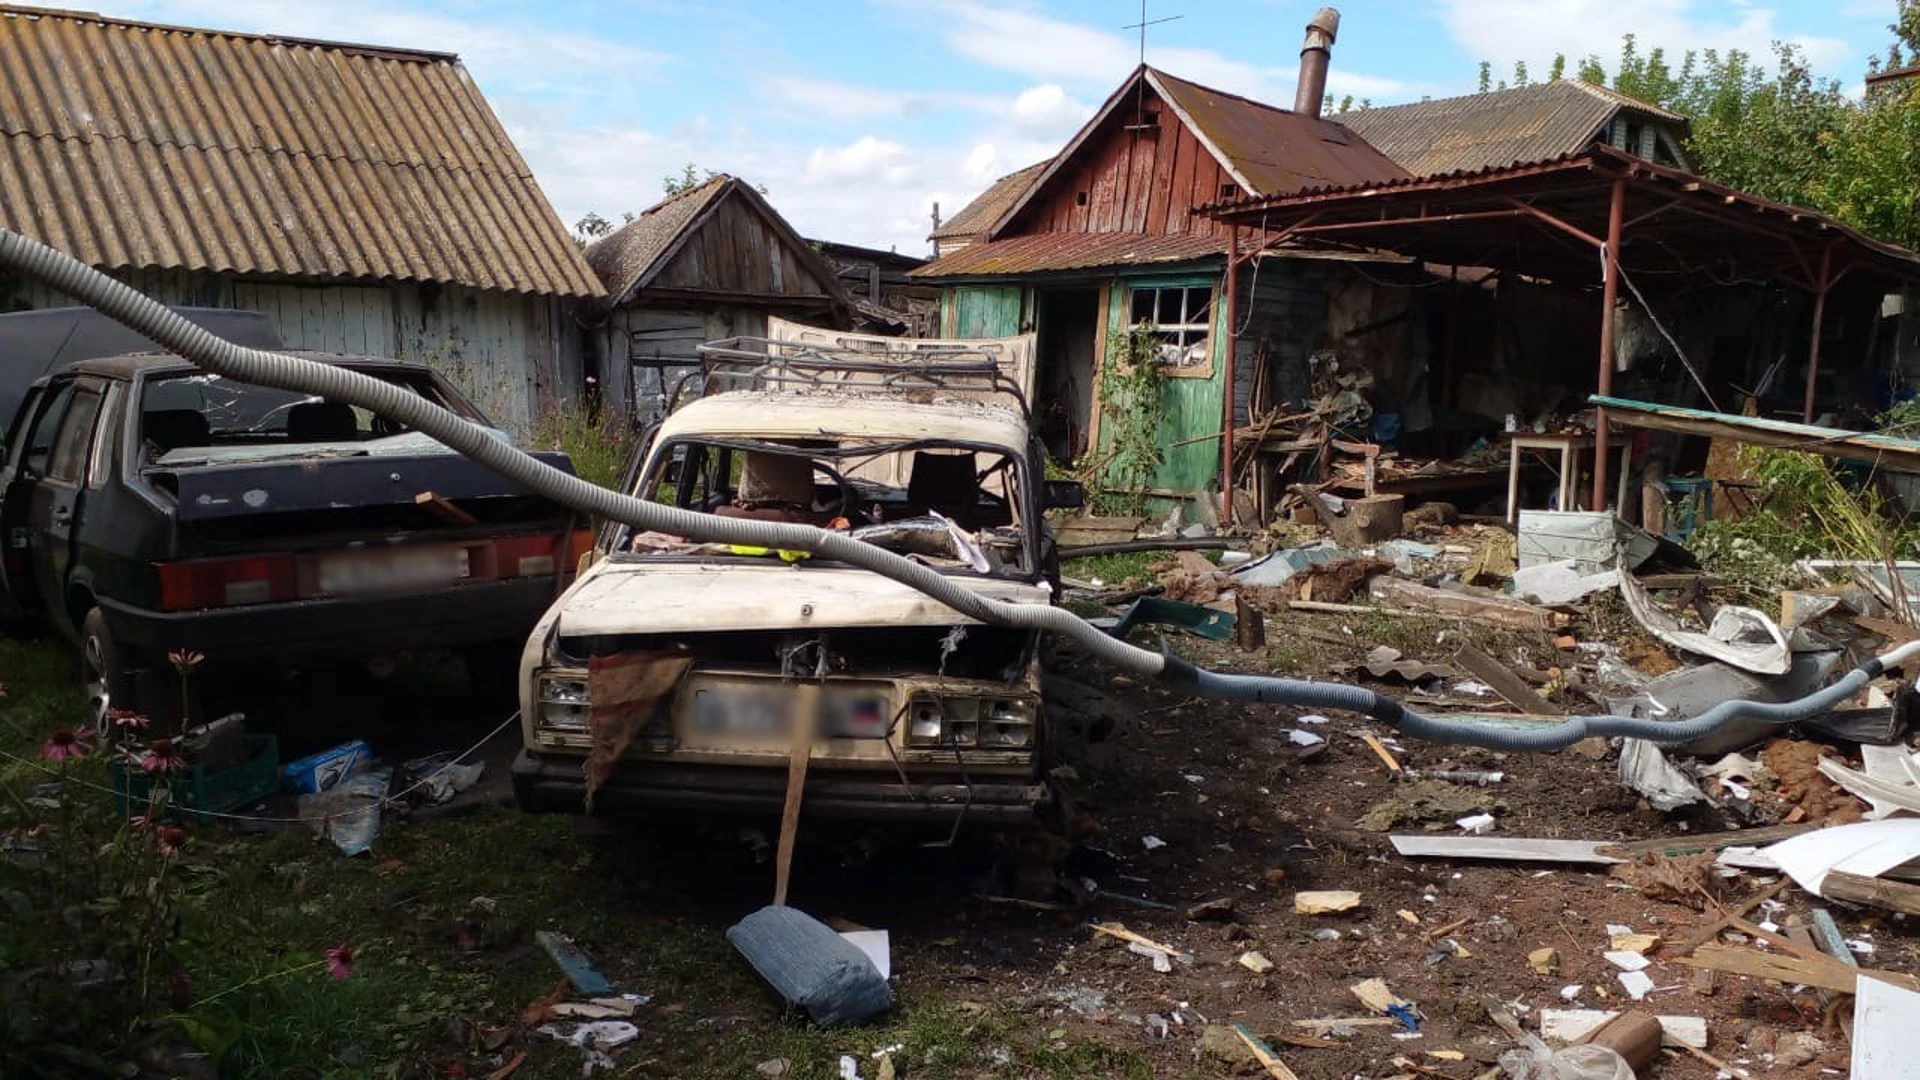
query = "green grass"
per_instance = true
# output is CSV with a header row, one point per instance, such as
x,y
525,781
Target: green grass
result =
x,y
1131,570
443,914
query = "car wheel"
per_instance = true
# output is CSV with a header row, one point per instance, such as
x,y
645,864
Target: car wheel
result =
x,y
105,682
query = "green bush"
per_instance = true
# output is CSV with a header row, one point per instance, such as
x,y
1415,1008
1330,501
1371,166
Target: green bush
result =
x,y
598,441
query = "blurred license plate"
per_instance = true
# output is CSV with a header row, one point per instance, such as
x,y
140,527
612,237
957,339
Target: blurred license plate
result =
x,y
396,570
741,712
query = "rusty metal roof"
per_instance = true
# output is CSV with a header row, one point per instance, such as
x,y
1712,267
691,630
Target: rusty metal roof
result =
x,y
1536,122
979,215
138,145
1049,252
1269,150
1545,218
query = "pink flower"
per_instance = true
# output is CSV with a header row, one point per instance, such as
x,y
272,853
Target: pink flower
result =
x,y
170,839
128,720
66,744
340,961
141,823
185,660
163,757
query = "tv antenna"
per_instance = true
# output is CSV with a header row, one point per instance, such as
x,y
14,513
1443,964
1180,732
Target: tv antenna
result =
x,y
1144,23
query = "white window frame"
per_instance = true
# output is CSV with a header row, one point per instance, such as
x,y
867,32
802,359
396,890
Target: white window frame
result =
x,y
1178,338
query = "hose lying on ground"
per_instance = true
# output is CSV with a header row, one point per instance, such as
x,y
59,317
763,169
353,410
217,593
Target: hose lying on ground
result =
x,y
228,360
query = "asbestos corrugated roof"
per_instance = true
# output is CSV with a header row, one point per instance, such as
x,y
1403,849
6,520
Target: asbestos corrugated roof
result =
x,y
136,145
1047,252
979,215
1273,151
1536,122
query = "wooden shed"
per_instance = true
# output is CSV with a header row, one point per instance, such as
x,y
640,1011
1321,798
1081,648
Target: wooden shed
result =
x,y
709,262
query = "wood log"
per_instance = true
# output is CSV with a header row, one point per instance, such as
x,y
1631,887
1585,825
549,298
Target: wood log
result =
x,y
1877,892
1496,610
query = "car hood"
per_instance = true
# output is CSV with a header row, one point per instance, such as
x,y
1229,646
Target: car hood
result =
x,y
656,598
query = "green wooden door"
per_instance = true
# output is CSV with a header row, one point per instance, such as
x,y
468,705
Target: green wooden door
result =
x,y
985,311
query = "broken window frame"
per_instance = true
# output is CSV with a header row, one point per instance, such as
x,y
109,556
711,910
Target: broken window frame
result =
x,y
1179,338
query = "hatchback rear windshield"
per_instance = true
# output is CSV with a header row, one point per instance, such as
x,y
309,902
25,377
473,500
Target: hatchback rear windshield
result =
x,y
201,410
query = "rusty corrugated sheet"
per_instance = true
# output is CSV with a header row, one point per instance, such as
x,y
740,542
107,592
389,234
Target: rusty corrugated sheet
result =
x,y
979,215
1273,150
1537,122
131,145
1043,252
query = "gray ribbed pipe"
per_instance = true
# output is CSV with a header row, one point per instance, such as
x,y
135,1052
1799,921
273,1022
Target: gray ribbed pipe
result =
x,y
155,321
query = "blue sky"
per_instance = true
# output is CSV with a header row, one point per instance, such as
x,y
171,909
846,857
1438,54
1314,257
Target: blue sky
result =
x,y
857,115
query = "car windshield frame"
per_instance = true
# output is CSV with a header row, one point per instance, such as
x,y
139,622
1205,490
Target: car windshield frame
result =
x,y
1010,466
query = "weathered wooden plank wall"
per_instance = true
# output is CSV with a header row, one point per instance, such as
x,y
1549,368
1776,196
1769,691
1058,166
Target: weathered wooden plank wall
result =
x,y
737,252
984,311
1146,182
512,354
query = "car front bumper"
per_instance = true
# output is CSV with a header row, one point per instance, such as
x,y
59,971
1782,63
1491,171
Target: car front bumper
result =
x,y
554,784
473,614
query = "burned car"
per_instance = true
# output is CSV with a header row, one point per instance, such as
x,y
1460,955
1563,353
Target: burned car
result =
x,y
148,506
684,676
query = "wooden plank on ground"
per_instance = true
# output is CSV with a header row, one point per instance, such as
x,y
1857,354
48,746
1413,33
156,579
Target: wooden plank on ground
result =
x,y
1689,845
1823,972
1501,848
1877,892
1505,683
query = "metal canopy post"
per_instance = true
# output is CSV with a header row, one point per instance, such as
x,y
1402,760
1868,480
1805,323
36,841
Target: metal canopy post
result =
x,y
1822,284
1610,268
1232,309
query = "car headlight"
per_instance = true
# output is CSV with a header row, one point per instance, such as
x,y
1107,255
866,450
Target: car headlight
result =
x,y
926,721
1007,724
563,704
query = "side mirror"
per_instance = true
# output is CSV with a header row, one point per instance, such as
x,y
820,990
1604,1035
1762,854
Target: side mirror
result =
x,y
1063,495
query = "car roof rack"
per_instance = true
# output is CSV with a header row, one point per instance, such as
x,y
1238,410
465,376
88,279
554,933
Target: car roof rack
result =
x,y
758,363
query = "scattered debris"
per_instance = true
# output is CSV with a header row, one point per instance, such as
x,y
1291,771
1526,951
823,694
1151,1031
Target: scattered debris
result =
x,y
810,966
573,964
1374,994
1544,960
1264,1054
1573,1025
1645,769
1740,636
1427,800
1255,963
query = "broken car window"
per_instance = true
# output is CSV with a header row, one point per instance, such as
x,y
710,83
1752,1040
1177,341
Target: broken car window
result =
x,y
197,410
949,506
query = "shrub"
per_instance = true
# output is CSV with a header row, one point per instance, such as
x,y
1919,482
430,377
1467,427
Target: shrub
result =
x,y
598,441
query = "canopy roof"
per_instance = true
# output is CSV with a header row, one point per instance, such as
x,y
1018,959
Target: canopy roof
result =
x,y
1547,219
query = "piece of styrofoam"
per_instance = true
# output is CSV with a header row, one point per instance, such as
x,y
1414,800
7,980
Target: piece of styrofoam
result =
x,y
1571,1025
1886,1041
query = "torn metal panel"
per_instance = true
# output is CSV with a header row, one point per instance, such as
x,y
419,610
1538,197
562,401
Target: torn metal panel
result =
x,y
1886,1042
1740,636
1683,694
1885,451
1890,782
1644,768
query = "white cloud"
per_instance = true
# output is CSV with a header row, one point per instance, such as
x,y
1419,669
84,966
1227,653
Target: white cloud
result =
x,y
1048,108
1504,31
867,158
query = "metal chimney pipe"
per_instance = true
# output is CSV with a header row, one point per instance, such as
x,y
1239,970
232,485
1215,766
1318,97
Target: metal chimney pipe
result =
x,y
1314,55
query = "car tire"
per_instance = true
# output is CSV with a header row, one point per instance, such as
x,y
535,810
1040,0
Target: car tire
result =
x,y
105,681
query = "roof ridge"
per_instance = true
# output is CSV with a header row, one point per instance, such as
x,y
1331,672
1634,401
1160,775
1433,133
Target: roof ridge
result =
x,y
387,52
1228,93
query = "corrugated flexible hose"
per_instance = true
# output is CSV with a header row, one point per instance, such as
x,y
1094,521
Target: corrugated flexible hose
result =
x,y
221,357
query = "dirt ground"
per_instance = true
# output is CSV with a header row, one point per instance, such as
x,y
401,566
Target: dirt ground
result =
x,y
1184,802
997,970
